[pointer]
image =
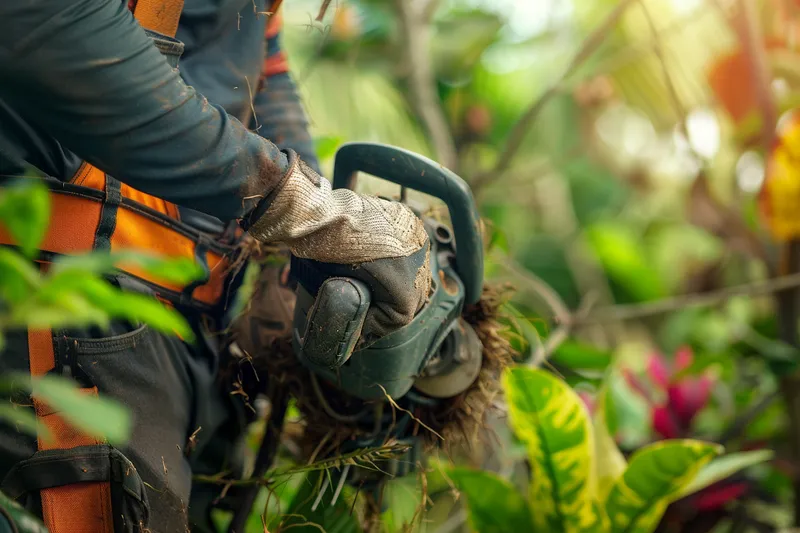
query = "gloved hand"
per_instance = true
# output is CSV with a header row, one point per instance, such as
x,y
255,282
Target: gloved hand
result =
x,y
342,233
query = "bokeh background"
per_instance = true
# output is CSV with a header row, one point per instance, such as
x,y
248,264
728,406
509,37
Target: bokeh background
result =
x,y
618,151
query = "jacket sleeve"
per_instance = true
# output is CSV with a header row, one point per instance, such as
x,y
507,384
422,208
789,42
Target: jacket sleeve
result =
x,y
277,103
85,72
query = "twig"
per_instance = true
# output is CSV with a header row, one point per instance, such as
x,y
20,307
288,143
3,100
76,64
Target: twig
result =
x,y
749,31
658,49
520,129
659,307
735,429
414,19
539,287
322,10
554,340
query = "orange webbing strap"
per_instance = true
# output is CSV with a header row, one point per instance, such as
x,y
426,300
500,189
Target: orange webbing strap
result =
x,y
78,508
161,16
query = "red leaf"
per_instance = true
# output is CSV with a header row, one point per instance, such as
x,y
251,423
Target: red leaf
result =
x,y
664,423
635,383
658,371
687,398
718,495
683,358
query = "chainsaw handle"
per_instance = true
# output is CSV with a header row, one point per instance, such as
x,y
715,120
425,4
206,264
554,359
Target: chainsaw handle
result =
x,y
419,173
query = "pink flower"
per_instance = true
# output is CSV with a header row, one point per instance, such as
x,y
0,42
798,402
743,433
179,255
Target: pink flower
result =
x,y
685,396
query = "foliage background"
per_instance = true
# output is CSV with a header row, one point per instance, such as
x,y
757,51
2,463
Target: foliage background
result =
x,y
617,149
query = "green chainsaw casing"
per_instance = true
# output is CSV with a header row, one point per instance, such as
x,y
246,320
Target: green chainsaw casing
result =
x,y
393,363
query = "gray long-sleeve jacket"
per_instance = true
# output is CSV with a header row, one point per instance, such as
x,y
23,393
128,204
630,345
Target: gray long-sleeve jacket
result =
x,y
81,80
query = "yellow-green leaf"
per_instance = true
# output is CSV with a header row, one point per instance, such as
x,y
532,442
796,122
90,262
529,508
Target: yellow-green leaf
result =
x,y
101,417
609,461
724,467
25,213
180,270
654,478
23,420
495,506
551,420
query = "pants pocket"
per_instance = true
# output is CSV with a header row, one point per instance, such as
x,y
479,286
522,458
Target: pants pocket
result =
x,y
147,373
100,463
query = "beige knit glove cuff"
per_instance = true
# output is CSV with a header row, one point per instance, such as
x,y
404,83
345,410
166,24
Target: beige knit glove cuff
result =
x,y
339,226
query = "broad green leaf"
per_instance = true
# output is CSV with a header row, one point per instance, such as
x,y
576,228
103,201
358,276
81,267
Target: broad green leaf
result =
x,y
175,270
552,421
724,467
336,518
495,506
101,417
326,146
72,285
403,500
25,213
22,419
623,257
21,516
18,276
609,461
655,477
579,356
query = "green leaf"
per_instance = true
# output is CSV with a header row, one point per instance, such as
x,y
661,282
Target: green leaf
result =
x,y
179,270
654,478
70,286
18,276
403,500
25,212
23,419
100,417
552,421
327,146
331,518
579,356
495,506
724,467
623,257
609,462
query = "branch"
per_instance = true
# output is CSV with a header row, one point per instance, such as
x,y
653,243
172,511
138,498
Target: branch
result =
x,y
522,126
750,35
554,340
538,286
659,307
415,42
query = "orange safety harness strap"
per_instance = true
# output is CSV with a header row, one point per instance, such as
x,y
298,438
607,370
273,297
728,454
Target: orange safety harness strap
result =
x,y
161,16
80,507
85,507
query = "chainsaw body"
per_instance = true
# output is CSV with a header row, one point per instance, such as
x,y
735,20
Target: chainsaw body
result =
x,y
437,352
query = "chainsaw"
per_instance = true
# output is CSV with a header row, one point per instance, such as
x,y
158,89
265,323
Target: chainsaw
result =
x,y
435,357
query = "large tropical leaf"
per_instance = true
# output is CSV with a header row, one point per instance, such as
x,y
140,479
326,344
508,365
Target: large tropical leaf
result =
x,y
609,462
724,467
551,420
495,506
654,478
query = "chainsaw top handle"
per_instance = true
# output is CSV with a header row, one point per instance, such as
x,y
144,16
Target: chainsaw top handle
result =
x,y
419,173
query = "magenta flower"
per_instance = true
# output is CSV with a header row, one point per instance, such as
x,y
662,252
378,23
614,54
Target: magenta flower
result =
x,y
685,396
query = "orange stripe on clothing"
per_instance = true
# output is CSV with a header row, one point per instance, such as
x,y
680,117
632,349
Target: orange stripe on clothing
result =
x,y
78,508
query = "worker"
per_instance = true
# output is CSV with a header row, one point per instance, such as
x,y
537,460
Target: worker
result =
x,y
141,151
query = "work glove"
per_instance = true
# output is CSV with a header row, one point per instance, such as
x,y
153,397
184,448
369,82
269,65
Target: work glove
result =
x,y
340,233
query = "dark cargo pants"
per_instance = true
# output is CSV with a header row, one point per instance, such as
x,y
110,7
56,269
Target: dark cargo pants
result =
x,y
182,419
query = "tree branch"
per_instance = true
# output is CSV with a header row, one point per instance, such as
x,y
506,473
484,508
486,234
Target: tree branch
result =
x,y
659,307
520,129
415,32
